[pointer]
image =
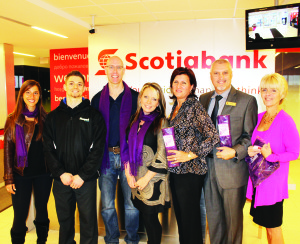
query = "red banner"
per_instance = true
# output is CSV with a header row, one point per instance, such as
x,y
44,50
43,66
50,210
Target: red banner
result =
x,y
62,61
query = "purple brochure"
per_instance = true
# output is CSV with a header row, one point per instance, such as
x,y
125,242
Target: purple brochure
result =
x,y
224,130
170,144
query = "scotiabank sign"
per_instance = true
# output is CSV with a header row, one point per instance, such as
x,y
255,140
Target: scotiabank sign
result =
x,y
62,61
172,61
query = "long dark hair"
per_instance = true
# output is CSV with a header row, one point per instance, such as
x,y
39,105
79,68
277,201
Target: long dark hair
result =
x,y
161,109
184,71
20,105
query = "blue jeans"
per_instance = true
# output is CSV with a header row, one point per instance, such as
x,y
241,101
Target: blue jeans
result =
x,y
107,184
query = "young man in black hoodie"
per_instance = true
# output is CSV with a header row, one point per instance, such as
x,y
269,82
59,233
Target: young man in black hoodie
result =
x,y
74,138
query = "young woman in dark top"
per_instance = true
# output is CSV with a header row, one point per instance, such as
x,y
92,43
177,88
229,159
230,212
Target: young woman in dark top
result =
x,y
147,173
24,165
195,137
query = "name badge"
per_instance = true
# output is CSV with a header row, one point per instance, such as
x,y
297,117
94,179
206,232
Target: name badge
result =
x,y
231,104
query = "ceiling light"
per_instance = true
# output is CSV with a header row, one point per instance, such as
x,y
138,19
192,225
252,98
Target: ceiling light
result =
x,y
24,54
50,32
34,27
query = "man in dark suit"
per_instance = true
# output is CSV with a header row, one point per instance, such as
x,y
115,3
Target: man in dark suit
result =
x,y
227,177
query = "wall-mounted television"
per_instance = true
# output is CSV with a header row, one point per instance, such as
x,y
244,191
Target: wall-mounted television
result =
x,y
273,27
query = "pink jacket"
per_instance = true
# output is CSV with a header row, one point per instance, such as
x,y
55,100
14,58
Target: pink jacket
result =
x,y
283,137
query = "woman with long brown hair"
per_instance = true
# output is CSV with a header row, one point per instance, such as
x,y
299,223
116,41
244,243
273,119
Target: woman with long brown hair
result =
x,y
24,165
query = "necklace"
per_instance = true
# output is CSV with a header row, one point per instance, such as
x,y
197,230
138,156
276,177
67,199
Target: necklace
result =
x,y
270,119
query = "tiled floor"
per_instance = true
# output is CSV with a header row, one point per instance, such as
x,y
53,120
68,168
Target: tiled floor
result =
x,y
291,217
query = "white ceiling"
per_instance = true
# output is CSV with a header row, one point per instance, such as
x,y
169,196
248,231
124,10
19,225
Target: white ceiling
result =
x,y
72,18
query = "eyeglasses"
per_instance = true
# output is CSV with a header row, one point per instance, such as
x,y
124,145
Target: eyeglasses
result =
x,y
112,67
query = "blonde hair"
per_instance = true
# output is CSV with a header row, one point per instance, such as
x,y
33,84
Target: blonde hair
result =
x,y
275,81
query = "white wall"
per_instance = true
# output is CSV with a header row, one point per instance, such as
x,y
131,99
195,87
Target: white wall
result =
x,y
193,40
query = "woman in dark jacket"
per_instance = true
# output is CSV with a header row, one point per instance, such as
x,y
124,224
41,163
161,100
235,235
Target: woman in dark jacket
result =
x,y
24,164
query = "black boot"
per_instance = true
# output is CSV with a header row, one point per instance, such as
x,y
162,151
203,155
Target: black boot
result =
x,y
42,229
18,237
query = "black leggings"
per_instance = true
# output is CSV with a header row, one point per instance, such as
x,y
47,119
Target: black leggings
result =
x,y
153,228
41,185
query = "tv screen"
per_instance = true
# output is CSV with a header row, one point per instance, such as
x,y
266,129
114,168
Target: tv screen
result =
x,y
273,27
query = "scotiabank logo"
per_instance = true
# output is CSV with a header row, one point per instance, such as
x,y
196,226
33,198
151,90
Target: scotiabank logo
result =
x,y
203,61
103,56
171,61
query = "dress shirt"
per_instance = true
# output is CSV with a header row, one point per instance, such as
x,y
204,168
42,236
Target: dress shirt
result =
x,y
114,120
221,102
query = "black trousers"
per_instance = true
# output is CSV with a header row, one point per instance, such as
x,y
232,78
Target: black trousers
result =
x,y
186,193
65,201
41,186
153,227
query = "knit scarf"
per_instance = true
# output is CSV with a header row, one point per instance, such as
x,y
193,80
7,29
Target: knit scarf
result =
x,y
125,114
21,149
136,140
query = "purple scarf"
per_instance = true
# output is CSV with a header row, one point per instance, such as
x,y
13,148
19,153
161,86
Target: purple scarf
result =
x,y
21,149
125,114
136,140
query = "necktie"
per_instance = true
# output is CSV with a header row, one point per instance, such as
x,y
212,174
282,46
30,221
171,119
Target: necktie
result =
x,y
216,109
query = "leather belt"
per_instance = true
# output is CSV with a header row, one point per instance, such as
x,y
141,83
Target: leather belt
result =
x,y
115,150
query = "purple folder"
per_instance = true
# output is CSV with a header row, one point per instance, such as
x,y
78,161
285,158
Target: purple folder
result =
x,y
170,143
224,130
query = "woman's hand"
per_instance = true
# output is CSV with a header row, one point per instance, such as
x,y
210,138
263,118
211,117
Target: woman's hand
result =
x,y
142,182
11,188
131,181
266,150
180,156
253,150
130,178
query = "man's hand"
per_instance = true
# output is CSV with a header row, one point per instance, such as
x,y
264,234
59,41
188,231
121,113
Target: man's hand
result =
x,y
77,182
66,179
225,153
